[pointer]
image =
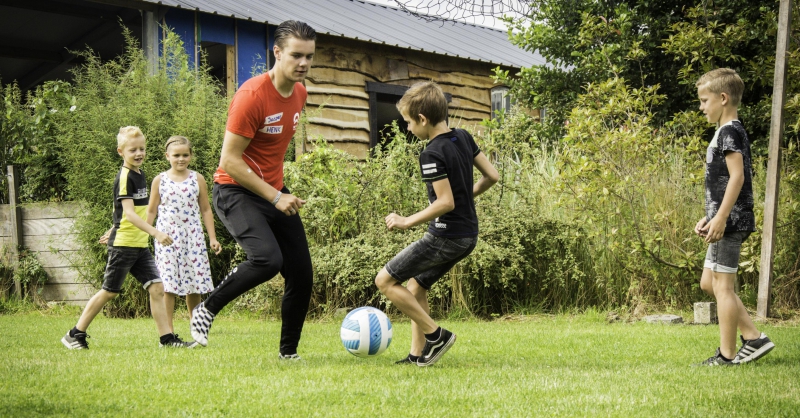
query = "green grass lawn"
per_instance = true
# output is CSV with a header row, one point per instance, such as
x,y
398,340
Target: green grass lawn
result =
x,y
533,366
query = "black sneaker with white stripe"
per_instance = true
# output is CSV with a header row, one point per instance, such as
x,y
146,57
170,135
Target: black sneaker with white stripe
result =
x,y
78,342
434,350
753,350
717,360
201,324
177,342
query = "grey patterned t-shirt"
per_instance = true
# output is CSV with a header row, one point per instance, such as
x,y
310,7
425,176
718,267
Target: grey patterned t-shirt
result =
x,y
730,137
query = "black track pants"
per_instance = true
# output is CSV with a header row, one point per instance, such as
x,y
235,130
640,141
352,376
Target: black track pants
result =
x,y
273,243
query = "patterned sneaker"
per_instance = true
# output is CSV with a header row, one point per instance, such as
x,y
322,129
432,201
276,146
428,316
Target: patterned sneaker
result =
x,y
177,342
717,360
78,342
434,350
753,350
201,324
290,357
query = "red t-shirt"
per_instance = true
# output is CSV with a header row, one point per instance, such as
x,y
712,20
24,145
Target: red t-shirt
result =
x,y
259,112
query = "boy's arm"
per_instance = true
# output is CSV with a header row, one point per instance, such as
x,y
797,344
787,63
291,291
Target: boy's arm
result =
x,y
716,226
155,200
444,203
489,174
129,212
207,214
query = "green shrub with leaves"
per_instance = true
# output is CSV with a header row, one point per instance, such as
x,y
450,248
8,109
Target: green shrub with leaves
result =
x,y
176,100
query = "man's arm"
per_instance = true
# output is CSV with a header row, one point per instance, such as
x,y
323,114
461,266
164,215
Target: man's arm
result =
x,y
716,226
444,203
231,161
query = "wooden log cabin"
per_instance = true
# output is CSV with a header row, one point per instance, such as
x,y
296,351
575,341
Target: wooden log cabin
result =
x,y
367,56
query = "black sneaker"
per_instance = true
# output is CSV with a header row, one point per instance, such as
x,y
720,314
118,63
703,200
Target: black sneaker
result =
x,y
177,342
78,342
434,350
717,360
753,350
291,357
201,324
406,360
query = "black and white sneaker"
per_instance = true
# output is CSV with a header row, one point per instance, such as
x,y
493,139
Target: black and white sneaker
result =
x,y
717,360
201,324
753,350
78,342
290,357
177,342
406,360
434,350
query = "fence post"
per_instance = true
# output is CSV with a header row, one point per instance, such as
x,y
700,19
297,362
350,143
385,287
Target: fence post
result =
x,y
16,222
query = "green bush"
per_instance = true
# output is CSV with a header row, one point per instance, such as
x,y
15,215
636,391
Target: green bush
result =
x,y
176,100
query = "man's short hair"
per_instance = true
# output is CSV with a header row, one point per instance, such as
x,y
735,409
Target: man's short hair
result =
x,y
723,80
294,29
424,98
126,133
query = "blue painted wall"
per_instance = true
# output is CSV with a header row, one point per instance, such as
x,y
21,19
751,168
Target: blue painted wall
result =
x,y
253,48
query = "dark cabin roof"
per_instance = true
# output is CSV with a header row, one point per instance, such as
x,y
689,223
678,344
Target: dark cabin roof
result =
x,y
362,20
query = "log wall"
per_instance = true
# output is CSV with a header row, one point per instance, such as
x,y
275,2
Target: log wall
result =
x,y
338,103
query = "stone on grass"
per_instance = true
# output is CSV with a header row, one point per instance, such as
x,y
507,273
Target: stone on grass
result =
x,y
705,313
663,319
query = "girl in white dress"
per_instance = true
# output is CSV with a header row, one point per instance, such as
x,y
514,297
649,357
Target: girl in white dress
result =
x,y
179,197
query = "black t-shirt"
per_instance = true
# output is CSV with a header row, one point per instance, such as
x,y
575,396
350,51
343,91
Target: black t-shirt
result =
x,y
451,156
730,137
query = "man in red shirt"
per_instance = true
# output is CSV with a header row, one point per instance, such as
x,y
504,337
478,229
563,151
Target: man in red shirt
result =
x,y
250,197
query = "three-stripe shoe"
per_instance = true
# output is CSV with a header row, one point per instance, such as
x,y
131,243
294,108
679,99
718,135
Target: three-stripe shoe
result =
x,y
201,323
753,350
78,342
717,360
177,342
434,350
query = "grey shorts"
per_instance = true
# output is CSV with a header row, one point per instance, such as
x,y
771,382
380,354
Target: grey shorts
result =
x,y
136,261
723,256
428,259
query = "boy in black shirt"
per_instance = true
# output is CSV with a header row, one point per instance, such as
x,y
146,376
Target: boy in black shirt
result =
x,y
729,216
446,164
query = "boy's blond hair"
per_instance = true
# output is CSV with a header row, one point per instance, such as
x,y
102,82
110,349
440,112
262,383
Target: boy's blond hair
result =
x,y
425,98
723,80
179,140
126,133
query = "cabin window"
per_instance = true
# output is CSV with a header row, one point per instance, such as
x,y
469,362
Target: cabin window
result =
x,y
383,111
501,100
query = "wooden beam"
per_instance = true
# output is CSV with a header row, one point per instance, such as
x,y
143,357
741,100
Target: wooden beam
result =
x,y
16,222
773,165
230,69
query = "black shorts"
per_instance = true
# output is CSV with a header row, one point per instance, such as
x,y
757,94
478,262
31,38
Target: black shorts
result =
x,y
136,261
430,258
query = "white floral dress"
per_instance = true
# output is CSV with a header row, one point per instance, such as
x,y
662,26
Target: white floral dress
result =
x,y
183,265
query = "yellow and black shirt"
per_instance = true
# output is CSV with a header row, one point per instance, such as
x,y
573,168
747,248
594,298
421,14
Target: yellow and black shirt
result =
x,y
129,185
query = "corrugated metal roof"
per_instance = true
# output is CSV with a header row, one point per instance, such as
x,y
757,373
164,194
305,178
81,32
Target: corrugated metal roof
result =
x,y
377,23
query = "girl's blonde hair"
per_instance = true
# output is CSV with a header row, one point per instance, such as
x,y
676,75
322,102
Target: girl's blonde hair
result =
x,y
127,133
177,139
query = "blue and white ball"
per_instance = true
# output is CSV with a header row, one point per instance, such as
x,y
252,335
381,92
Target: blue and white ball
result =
x,y
366,332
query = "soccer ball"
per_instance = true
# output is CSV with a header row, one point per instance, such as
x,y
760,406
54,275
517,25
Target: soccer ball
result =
x,y
366,332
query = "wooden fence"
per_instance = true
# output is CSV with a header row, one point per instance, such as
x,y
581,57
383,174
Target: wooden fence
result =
x,y
47,231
